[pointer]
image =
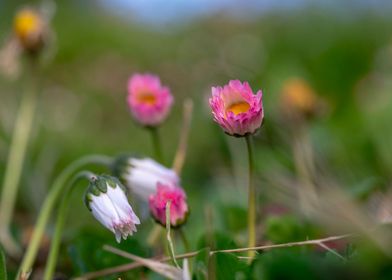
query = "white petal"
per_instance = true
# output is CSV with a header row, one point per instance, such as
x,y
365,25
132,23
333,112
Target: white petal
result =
x,y
103,218
143,176
104,206
118,236
142,183
154,169
120,202
135,219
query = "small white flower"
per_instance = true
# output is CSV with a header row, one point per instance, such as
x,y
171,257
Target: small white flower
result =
x,y
108,203
141,176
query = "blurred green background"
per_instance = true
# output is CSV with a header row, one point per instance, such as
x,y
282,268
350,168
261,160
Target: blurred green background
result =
x,y
343,51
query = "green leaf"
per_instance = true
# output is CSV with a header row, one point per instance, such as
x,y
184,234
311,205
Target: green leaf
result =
x,y
282,229
86,253
290,264
229,266
3,268
233,217
216,241
200,265
219,265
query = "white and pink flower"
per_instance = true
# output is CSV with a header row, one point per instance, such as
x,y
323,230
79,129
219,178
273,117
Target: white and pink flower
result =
x,y
236,109
107,201
149,101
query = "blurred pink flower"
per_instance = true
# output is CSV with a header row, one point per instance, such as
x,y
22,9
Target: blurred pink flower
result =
x,y
178,207
236,109
148,100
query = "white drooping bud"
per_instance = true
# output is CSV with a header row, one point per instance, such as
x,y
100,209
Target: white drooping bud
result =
x,y
142,175
106,199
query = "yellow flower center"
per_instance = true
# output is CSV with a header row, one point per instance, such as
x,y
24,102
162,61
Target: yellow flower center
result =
x,y
26,22
147,98
238,108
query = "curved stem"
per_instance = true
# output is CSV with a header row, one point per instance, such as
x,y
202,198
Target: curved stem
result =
x,y
48,205
61,216
16,156
156,141
251,199
133,265
168,235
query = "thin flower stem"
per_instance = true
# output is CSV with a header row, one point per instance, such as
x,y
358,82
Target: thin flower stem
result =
x,y
305,167
61,217
251,199
186,244
13,170
128,267
332,251
108,271
168,235
156,141
154,235
179,158
283,245
47,208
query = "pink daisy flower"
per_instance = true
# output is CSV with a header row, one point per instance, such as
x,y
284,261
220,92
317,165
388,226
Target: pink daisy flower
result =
x,y
236,109
149,101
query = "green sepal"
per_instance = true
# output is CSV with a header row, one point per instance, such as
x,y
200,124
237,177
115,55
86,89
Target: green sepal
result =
x,y
99,185
121,165
87,199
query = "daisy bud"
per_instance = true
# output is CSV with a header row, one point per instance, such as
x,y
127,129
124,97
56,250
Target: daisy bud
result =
x,y
178,207
148,100
30,29
236,109
298,99
106,199
141,175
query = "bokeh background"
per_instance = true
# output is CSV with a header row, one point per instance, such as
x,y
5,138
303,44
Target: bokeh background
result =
x,y
342,49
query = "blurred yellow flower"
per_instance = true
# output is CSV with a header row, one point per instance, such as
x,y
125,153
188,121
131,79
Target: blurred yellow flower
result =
x,y
299,97
29,28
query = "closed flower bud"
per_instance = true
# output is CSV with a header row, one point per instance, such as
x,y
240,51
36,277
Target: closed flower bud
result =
x,y
30,29
148,100
141,175
236,109
178,207
106,199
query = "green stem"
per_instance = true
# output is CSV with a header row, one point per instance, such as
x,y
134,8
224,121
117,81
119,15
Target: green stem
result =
x,y
156,141
154,235
251,199
184,239
61,216
20,138
47,207
186,245
168,235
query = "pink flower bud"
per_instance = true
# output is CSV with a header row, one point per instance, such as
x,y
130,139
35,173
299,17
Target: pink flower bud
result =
x,y
148,100
178,206
236,109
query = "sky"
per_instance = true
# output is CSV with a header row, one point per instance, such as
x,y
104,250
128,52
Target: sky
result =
x,y
158,12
